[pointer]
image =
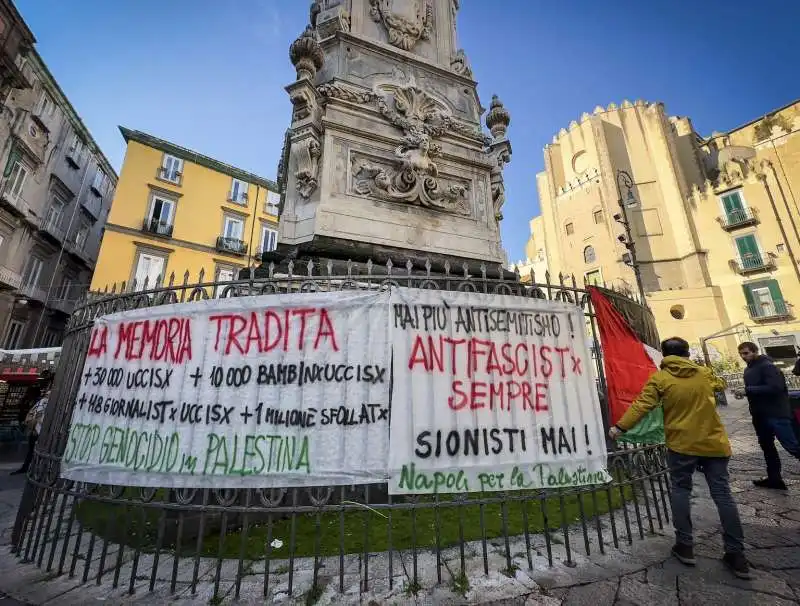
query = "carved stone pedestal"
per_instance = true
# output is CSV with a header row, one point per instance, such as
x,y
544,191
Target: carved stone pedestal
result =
x,y
385,156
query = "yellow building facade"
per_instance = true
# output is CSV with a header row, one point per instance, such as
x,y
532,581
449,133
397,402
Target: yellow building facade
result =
x,y
713,221
177,211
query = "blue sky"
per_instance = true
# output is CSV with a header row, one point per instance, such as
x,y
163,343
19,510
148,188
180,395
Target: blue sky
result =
x,y
209,74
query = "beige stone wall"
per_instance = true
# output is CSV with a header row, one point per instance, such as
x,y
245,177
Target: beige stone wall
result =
x,y
685,240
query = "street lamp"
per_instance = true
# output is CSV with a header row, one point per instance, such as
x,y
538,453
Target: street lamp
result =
x,y
625,181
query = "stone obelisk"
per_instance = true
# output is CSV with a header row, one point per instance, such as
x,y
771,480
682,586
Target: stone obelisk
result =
x,y
385,157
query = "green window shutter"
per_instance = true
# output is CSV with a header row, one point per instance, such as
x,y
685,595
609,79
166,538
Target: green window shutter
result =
x,y
732,202
13,156
775,291
748,295
747,247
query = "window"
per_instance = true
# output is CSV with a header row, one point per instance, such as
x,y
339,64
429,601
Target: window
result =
x,y
100,182
54,213
149,272
765,299
749,252
13,334
16,179
678,312
224,274
80,236
33,269
598,217
238,192
65,290
76,151
46,107
159,219
233,228
589,255
269,239
734,207
171,168
593,278
272,203
52,338
569,228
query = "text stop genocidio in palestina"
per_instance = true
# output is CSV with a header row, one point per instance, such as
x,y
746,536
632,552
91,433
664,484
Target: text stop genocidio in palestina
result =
x,y
238,336
502,373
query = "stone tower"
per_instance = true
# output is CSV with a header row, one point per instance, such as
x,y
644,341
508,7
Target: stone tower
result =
x,y
385,156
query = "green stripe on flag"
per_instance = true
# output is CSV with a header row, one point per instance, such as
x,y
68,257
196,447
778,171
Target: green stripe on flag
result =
x,y
650,430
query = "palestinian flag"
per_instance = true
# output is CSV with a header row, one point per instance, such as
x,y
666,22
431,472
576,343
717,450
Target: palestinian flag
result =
x,y
628,364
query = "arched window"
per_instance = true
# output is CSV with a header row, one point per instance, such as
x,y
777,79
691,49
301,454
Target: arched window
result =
x,y
588,255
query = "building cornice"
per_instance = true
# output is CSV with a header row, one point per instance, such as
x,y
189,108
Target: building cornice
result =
x,y
195,157
75,120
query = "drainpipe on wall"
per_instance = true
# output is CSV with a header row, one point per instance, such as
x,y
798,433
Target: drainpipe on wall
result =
x,y
783,195
763,178
253,228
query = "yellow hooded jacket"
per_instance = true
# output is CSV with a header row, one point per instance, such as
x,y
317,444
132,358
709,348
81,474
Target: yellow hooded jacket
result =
x,y
686,392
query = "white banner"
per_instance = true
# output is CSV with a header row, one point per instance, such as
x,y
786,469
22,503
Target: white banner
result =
x,y
491,392
275,390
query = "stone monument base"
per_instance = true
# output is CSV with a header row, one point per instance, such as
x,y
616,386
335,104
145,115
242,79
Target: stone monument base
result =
x,y
340,253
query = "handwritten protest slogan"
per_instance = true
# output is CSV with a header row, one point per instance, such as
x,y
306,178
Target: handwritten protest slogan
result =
x,y
275,390
491,392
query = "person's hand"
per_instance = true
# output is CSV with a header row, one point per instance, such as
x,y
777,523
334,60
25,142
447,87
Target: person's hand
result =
x,y
614,433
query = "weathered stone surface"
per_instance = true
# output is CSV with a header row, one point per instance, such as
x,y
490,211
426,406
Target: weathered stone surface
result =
x,y
638,592
695,591
593,594
778,558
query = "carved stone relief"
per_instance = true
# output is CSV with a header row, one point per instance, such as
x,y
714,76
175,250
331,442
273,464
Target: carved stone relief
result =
x,y
413,174
412,182
307,154
480,200
340,166
406,21
460,65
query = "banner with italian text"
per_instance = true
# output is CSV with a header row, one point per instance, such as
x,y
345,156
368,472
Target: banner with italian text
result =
x,y
491,392
267,391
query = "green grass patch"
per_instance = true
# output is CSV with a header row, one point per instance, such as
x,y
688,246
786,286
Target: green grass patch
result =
x,y
352,531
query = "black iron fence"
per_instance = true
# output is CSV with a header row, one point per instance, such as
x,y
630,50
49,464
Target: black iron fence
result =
x,y
295,541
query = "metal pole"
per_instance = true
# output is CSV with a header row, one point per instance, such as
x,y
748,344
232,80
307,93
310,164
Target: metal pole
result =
x,y
630,244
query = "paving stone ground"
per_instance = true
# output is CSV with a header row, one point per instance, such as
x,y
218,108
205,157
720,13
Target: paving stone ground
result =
x,y
641,573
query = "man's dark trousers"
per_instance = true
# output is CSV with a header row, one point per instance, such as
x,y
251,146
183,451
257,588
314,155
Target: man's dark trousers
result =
x,y
768,429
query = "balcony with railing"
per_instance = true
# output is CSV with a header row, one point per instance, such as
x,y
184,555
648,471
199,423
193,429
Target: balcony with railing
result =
x,y
774,310
159,228
51,227
15,202
735,219
62,299
233,246
750,264
33,292
9,278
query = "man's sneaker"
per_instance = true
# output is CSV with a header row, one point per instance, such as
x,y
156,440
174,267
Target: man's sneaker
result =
x,y
684,554
770,483
738,564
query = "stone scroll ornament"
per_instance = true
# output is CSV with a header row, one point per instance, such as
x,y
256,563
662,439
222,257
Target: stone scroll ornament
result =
x,y
406,21
307,156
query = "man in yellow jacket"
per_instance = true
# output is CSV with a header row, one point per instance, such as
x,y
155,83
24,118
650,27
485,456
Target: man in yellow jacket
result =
x,y
696,440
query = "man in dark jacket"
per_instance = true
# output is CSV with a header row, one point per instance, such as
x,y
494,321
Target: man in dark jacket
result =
x,y
768,397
